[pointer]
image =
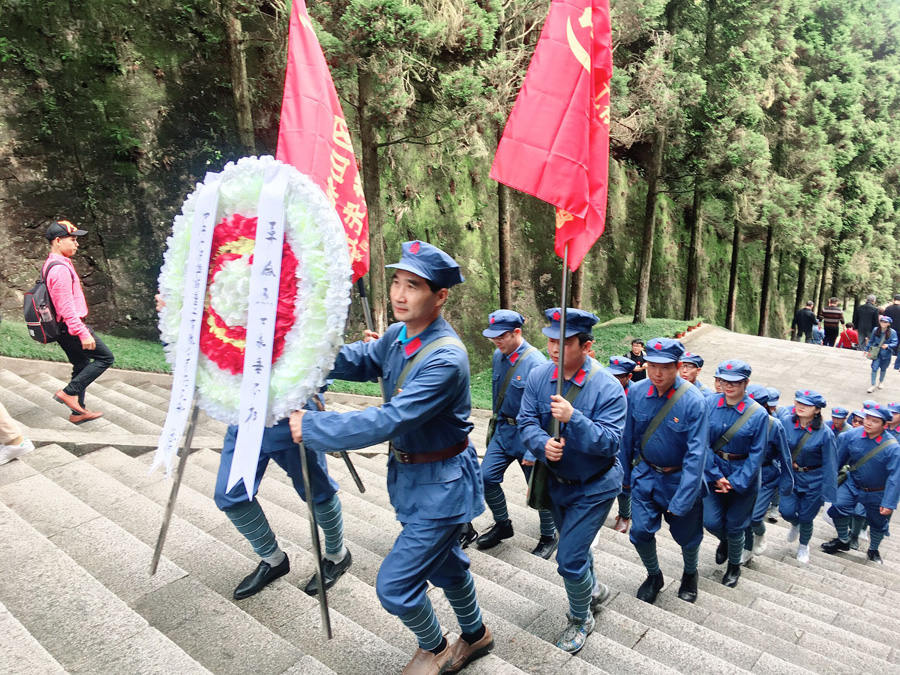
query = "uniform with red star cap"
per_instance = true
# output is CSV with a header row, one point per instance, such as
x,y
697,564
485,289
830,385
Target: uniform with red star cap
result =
x,y
882,344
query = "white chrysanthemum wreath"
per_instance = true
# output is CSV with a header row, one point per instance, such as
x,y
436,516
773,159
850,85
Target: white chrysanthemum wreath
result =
x,y
314,292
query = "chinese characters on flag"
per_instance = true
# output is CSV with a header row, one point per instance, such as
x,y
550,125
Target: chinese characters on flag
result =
x,y
313,136
556,142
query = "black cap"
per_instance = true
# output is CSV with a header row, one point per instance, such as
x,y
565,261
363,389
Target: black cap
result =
x,y
62,228
897,296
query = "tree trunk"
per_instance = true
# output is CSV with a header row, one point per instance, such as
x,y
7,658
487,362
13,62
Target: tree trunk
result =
x,y
801,283
371,179
577,287
240,85
653,171
766,283
503,246
815,298
732,280
692,287
826,265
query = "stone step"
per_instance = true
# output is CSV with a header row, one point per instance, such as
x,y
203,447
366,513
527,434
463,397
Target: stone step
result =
x,y
122,418
82,625
147,392
20,652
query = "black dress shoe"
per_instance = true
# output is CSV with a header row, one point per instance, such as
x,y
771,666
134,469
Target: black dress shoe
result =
x,y
545,548
467,536
651,587
331,572
497,533
874,556
731,576
722,552
836,545
261,577
688,589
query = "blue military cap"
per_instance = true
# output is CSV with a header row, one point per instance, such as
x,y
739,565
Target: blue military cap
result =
x,y
881,412
758,393
620,365
809,397
858,413
869,403
894,408
663,350
577,321
689,357
733,371
429,262
839,412
774,396
884,317
502,321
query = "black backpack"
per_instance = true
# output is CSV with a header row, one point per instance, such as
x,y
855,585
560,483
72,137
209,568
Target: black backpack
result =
x,y
40,315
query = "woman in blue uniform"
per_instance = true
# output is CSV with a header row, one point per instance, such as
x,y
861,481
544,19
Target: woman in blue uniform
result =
x,y
884,338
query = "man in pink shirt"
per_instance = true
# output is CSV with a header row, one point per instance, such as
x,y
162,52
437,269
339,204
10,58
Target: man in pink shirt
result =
x,y
86,352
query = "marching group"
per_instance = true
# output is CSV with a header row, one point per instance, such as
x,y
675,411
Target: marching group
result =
x,y
641,432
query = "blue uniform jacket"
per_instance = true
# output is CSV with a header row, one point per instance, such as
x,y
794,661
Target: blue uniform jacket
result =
x,y
592,435
882,470
819,450
679,441
777,462
887,349
844,429
430,413
506,436
743,474
704,389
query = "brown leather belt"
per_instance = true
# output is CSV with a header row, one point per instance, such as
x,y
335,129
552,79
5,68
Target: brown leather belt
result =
x,y
511,421
804,469
664,470
865,489
429,457
730,457
578,481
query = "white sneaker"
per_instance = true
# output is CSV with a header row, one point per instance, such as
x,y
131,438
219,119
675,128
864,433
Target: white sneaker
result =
x,y
793,533
759,544
746,556
803,554
864,534
881,385
870,389
10,452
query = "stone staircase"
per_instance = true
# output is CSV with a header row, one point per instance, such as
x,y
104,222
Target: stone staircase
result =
x,y
80,515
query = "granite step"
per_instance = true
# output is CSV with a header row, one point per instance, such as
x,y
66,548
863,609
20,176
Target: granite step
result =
x,y
147,392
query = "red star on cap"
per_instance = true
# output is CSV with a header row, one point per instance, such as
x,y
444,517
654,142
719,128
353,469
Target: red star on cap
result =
x,y
493,319
556,316
728,366
806,393
657,346
688,354
616,361
414,248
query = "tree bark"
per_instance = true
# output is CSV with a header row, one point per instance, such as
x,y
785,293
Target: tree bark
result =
x,y
371,179
766,283
801,283
503,246
732,280
240,85
578,287
816,286
692,287
826,266
653,171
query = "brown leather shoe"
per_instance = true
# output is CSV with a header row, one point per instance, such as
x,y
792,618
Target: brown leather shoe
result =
x,y
426,663
86,416
69,400
622,524
464,653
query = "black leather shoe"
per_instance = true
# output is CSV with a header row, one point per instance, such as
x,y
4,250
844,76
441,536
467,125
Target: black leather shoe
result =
x,y
261,577
467,536
835,545
331,572
874,556
688,589
545,548
651,587
497,533
722,552
731,576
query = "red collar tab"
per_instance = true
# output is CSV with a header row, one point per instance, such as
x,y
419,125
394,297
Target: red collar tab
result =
x,y
514,357
878,439
863,430
721,401
579,377
555,373
651,391
412,346
671,392
740,406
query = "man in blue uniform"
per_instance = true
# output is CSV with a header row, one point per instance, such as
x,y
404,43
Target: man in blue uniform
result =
x,y
513,359
777,477
870,460
689,368
583,466
838,423
774,409
621,368
663,453
738,428
250,520
434,480
894,424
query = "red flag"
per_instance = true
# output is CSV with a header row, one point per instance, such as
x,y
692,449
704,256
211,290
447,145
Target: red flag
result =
x,y
556,142
313,135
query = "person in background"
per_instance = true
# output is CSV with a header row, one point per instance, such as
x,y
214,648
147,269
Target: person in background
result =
x,y
689,369
13,443
832,318
838,423
884,339
849,338
620,368
856,418
865,318
637,355
803,322
818,335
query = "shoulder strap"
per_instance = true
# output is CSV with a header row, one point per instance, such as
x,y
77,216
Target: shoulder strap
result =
x,y
871,453
725,438
796,452
51,266
509,376
661,415
425,351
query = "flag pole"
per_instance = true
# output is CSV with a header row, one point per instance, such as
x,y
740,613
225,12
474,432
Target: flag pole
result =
x,y
561,375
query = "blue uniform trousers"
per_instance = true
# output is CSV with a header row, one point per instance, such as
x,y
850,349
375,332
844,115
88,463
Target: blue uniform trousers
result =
x,y
849,500
423,552
650,503
728,514
800,507
578,518
277,445
768,492
495,464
